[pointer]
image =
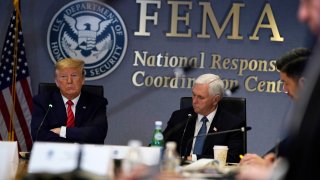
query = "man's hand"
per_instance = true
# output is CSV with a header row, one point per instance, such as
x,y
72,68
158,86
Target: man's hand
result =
x,y
254,159
56,130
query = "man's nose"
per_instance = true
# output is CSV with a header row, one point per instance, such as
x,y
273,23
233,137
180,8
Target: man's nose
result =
x,y
194,100
69,80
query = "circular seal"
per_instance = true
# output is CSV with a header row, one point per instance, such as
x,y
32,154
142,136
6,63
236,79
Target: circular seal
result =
x,y
91,31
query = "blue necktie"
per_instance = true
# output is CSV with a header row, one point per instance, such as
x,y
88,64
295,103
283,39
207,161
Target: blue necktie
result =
x,y
198,145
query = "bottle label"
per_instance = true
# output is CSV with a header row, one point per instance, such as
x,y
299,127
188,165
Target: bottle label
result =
x,y
158,136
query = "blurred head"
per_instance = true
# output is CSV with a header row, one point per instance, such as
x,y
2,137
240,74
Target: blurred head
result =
x,y
309,13
291,67
69,77
207,91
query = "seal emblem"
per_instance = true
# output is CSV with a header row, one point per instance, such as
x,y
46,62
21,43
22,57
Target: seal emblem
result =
x,y
91,31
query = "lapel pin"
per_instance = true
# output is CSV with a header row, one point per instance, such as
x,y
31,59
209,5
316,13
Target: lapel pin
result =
x,y
215,129
84,107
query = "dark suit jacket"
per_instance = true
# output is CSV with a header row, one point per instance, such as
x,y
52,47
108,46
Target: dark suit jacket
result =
x,y
222,121
91,124
282,149
305,157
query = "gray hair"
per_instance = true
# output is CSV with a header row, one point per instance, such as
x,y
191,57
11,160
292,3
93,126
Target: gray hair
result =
x,y
216,86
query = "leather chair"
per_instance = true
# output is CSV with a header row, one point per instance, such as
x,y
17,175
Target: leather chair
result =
x,y
235,105
94,89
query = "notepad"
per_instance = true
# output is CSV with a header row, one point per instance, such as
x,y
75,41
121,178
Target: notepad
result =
x,y
200,164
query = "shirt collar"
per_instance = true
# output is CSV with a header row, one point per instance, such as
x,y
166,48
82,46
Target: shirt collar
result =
x,y
75,100
209,116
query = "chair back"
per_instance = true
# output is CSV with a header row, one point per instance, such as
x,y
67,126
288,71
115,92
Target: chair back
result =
x,y
234,105
93,89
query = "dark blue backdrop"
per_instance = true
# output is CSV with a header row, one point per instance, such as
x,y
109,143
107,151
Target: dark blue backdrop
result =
x,y
135,119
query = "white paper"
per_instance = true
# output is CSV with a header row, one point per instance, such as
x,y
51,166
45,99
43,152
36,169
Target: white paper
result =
x,y
53,158
58,158
199,164
96,159
9,159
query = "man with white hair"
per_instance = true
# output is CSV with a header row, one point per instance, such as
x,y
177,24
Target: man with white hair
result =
x,y
205,116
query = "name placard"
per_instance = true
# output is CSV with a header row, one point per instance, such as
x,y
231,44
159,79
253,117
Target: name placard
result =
x,y
57,158
8,159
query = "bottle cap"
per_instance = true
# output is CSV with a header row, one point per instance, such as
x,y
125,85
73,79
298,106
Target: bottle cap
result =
x,y
158,123
171,145
134,143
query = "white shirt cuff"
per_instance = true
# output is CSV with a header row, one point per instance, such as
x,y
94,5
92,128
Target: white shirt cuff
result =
x,y
63,131
194,157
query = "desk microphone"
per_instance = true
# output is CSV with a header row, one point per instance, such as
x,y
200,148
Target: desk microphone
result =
x,y
44,117
242,129
229,92
184,131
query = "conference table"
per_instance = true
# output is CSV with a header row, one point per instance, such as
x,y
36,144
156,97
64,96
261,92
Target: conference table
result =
x,y
93,162
22,174
22,170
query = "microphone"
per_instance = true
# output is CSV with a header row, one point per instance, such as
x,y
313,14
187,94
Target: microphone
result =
x,y
242,129
229,92
44,117
181,72
184,131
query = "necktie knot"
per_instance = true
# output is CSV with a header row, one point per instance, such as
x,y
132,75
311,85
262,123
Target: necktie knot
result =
x,y
204,119
70,103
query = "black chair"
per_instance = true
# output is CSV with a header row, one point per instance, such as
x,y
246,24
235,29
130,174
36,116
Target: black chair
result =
x,y
235,105
94,89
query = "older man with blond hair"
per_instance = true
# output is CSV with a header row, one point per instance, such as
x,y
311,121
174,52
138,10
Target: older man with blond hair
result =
x,y
69,114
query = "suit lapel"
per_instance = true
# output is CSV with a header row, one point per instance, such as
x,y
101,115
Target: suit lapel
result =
x,y
59,108
80,109
215,124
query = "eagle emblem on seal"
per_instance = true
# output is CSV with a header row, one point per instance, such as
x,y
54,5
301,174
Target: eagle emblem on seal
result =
x,y
86,37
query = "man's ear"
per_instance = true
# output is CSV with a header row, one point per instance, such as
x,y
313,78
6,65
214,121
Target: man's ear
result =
x,y
216,99
56,81
301,82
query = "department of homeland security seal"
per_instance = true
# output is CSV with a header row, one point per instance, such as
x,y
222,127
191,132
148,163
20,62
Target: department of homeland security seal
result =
x,y
91,31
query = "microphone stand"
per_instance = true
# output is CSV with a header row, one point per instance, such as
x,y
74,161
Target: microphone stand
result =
x,y
184,131
44,117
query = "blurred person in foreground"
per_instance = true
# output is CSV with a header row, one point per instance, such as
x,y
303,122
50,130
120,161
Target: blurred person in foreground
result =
x,y
205,113
291,67
74,115
304,159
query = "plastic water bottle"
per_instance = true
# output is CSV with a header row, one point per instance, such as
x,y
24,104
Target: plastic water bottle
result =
x,y
157,138
133,157
171,160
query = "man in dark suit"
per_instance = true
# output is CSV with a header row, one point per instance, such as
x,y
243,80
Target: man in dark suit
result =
x,y
69,115
305,158
302,161
186,123
291,67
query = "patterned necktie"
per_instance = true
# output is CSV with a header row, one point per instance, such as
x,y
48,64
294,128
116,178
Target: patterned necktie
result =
x,y
70,121
198,145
